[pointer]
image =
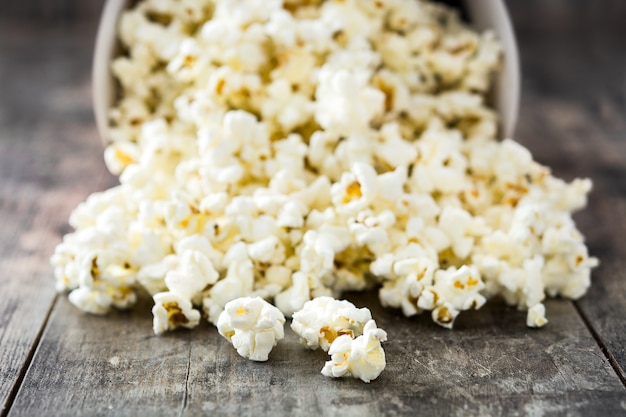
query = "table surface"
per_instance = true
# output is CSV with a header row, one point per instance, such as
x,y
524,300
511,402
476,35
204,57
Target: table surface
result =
x,y
55,360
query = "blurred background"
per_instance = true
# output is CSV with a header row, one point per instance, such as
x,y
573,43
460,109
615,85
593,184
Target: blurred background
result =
x,y
50,10
573,59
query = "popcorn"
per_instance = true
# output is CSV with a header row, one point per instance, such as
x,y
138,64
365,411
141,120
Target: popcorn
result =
x,y
356,189
252,325
536,316
393,150
119,155
189,61
344,103
453,291
371,230
294,150
290,109
362,358
195,272
323,319
414,274
171,311
295,296
268,250
94,302
455,222
238,282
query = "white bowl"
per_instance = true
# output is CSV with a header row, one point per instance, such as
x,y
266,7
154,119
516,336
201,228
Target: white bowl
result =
x,y
505,96
483,14
107,47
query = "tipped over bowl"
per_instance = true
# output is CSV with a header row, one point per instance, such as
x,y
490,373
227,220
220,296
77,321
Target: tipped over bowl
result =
x,y
483,14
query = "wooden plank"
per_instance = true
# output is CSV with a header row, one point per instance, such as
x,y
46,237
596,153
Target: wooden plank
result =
x,y
574,118
490,364
49,161
604,307
90,365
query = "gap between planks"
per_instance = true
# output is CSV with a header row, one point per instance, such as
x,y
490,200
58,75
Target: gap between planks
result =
x,y
601,344
104,180
186,394
29,359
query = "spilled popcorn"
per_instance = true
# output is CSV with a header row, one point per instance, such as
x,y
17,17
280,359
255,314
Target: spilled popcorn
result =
x,y
323,319
252,325
292,149
347,333
361,358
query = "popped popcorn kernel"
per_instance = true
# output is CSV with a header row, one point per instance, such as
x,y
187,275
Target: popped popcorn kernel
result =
x,y
536,316
171,311
324,319
252,325
353,191
362,357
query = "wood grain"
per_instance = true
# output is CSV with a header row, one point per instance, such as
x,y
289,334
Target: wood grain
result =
x,y
90,365
49,161
573,118
68,363
490,364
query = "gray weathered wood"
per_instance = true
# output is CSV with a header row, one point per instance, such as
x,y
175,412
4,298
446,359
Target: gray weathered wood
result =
x,y
49,161
490,364
574,119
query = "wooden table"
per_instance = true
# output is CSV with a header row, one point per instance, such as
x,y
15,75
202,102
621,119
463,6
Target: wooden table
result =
x,y
55,360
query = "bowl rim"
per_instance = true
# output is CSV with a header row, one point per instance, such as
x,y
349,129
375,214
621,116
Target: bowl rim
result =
x,y
506,90
106,49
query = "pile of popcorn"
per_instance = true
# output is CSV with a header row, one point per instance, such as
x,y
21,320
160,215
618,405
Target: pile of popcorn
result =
x,y
346,332
295,149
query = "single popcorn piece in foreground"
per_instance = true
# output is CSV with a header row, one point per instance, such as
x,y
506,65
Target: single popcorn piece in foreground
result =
x,y
536,316
323,319
253,326
362,357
